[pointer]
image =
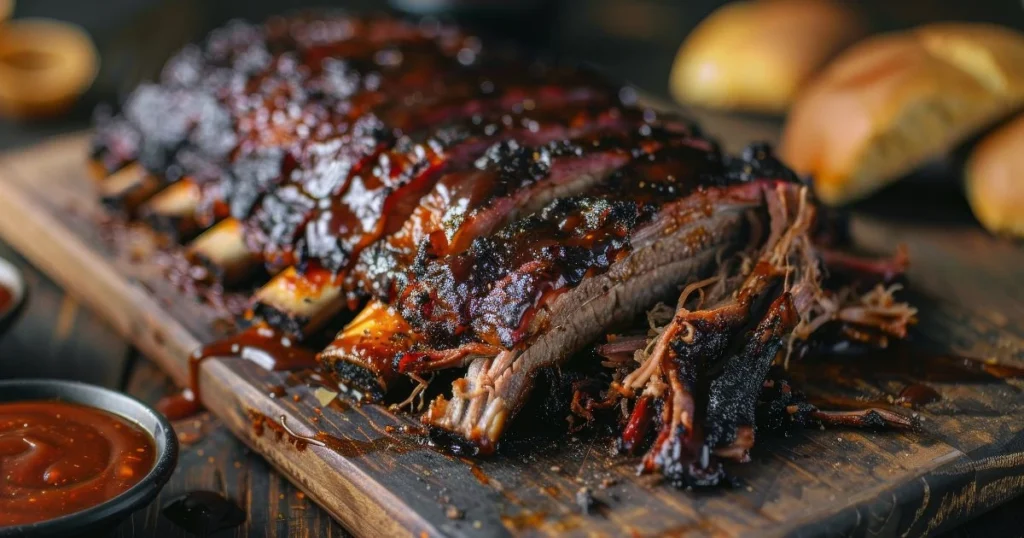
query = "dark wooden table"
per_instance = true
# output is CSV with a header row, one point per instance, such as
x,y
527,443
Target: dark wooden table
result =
x,y
56,337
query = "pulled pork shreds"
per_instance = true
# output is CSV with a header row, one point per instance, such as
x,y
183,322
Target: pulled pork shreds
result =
x,y
703,372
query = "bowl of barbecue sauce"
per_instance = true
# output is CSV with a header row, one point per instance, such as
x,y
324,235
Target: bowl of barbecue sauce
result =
x,y
77,459
12,293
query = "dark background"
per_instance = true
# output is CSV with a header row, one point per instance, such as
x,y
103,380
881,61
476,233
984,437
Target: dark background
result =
x,y
634,40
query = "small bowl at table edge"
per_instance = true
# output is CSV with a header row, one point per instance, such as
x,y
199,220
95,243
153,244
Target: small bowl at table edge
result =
x,y
11,278
106,515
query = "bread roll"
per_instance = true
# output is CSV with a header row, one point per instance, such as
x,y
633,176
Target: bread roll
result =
x,y
995,179
756,55
6,7
894,101
44,66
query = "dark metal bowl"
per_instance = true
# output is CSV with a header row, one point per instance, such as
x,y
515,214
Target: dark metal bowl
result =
x,y
11,278
106,515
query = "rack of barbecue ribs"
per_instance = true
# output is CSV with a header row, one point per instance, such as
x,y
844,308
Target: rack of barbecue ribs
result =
x,y
470,210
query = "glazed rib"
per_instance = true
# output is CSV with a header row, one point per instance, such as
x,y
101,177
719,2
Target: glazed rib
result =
x,y
466,206
254,71
295,227
401,199
547,284
499,215
183,110
511,179
458,296
257,91
282,209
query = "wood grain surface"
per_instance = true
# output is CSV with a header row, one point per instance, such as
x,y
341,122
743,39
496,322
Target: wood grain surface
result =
x,y
968,458
212,459
56,336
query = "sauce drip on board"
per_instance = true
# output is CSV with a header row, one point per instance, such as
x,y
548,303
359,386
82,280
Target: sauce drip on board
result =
x,y
259,344
349,448
58,458
916,395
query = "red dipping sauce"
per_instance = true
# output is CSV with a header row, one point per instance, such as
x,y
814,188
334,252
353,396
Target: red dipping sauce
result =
x,y
58,458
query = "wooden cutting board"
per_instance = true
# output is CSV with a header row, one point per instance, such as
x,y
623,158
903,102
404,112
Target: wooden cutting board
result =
x,y
968,457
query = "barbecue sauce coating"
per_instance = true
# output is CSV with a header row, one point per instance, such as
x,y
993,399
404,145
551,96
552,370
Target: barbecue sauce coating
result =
x,y
371,183
275,123
59,458
491,292
341,141
364,353
279,82
510,178
236,117
314,137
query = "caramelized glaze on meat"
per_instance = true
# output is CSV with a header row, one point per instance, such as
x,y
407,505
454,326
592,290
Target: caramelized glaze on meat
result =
x,y
500,213
491,291
512,178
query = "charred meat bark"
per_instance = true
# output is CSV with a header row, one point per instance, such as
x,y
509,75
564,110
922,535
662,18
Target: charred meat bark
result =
x,y
415,95
253,94
464,206
371,122
544,286
326,209
330,222
395,197
706,368
513,177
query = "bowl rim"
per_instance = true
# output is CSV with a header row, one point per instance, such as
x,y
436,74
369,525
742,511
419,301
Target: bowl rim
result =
x,y
128,501
12,278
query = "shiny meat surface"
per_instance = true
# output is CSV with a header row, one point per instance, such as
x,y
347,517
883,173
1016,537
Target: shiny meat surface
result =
x,y
491,291
489,214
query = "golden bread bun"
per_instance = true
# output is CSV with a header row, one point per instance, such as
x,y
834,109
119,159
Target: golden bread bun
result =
x,y
44,66
756,55
894,101
6,7
995,179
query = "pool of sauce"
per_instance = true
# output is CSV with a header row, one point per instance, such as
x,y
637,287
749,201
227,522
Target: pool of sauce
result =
x,y
902,360
58,458
918,368
260,344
